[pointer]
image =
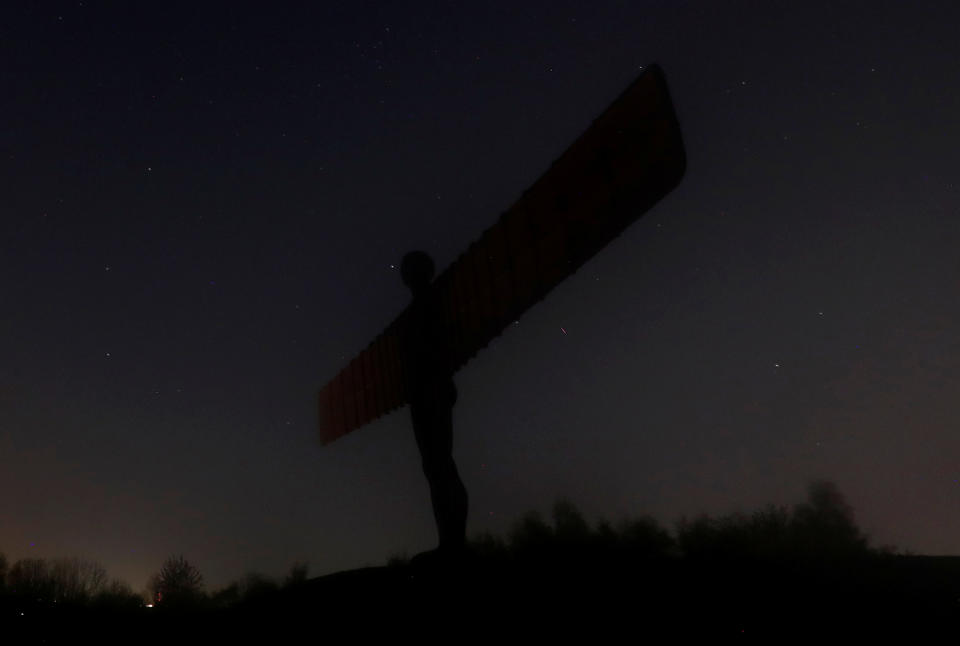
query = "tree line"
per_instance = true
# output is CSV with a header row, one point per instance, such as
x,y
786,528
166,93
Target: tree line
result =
x,y
822,527
69,581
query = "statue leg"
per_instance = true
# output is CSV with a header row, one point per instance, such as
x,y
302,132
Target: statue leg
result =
x,y
433,426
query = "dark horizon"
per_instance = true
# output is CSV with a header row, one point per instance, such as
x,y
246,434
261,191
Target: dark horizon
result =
x,y
206,207
820,530
805,570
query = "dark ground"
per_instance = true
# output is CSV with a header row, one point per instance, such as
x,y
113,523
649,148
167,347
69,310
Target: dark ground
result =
x,y
487,598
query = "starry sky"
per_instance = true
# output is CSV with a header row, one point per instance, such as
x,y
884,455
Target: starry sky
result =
x,y
204,206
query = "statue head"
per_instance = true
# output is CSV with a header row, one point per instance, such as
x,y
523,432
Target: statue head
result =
x,y
416,269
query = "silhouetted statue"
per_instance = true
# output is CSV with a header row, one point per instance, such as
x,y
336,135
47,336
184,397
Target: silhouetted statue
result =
x,y
429,388
629,158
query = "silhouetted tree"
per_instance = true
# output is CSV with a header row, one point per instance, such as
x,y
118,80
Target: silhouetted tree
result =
x,y
179,583
117,595
771,527
569,526
530,533
823,526
257,587
701,537
297,574
30,579
487,545
826,524
644,537
226,596
76,580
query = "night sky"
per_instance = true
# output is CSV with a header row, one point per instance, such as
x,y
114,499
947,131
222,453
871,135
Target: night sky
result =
x,y
204,206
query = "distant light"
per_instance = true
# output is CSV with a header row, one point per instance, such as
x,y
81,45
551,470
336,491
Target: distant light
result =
x,y
149,605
